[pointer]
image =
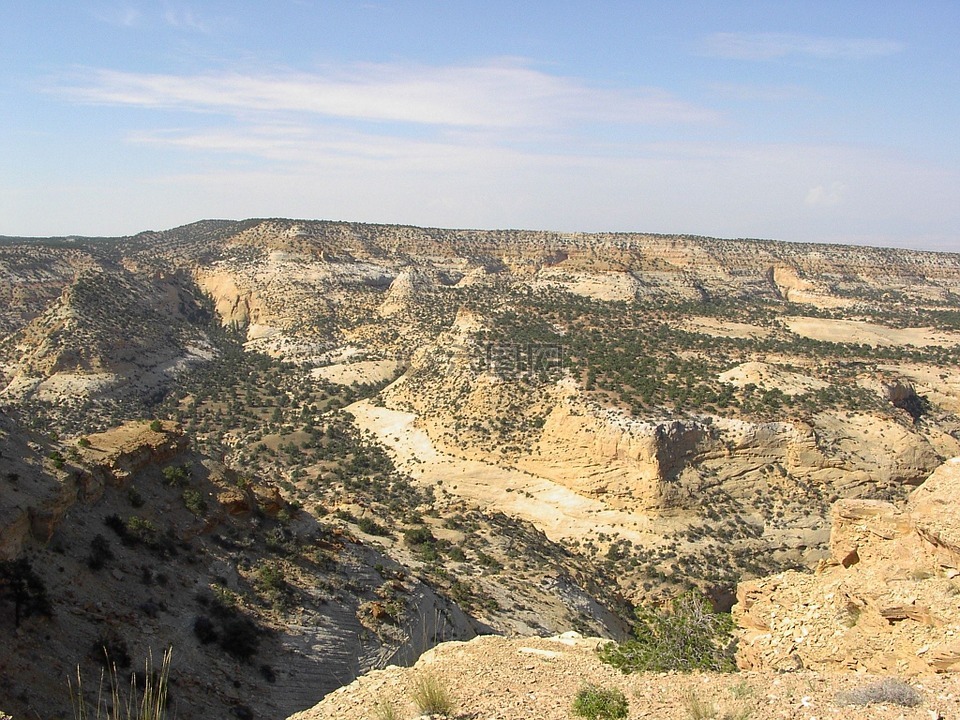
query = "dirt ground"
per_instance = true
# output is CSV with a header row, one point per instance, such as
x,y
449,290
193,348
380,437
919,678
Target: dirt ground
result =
x,y
493,678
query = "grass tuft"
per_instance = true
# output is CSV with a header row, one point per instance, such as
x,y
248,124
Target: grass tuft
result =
x,y
431,696
384,710
114,704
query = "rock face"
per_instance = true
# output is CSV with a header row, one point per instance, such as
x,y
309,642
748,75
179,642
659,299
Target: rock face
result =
x,y
664,465
885,601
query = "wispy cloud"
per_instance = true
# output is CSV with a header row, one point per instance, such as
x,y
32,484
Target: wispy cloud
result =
x,y
141,15
126,16
184,18
770,46
502,93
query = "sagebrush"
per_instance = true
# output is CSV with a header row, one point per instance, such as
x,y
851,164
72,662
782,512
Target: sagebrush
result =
x,y
889,691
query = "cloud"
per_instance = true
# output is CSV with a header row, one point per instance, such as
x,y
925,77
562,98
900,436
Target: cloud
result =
x,y
126,16
504,93
823,196
184,19
133,15
770,46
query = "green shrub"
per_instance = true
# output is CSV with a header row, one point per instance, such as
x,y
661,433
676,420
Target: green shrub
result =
x,y
418,536
194,502
271,576
688,636
141,529
597,703
176,475
372,527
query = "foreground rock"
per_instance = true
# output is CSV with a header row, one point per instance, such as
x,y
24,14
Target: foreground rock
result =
x,y
493,678
885,601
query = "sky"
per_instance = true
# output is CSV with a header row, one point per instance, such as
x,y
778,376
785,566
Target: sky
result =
x,y
813,121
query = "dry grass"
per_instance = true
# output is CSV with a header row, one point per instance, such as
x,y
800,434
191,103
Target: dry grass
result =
x,y
114,704
889,691
431,696
384,710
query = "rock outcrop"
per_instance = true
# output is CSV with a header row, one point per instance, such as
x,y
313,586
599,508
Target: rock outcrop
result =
x,y
885,601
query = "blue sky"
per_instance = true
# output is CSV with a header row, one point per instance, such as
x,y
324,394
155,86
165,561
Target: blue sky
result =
x,y
806,121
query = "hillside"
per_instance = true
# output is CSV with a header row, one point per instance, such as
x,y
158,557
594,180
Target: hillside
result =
x,y
430,434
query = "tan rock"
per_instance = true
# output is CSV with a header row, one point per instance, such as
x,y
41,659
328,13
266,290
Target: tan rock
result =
x,y
883,603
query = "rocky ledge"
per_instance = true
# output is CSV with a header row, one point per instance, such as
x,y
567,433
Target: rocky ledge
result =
x,y
886,600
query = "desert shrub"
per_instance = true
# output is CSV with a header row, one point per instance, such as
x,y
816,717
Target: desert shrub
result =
x,y
194,502
116,523
135,498
110,650
141,529
418,536
698,709
176,475
889,691
19,583
204,630
100,552
272,577
240,637
431,696
156,426
598,703
372,527
687,636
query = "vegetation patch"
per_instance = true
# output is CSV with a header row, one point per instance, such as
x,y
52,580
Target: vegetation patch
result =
x,y
599,703
687,636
